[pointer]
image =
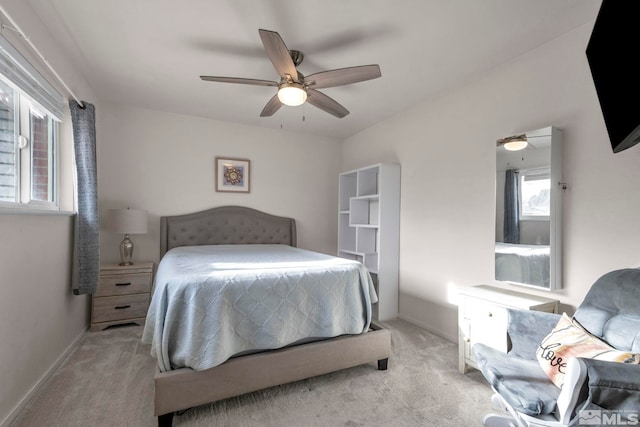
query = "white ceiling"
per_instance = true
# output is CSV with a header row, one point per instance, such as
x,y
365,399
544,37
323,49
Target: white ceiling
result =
x,y
150,53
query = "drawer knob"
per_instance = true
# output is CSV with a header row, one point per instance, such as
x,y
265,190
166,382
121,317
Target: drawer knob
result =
x,y
490,314
123,284
121,307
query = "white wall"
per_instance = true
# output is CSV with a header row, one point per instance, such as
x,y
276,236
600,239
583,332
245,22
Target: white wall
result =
x,y
446,147
40,319
164,163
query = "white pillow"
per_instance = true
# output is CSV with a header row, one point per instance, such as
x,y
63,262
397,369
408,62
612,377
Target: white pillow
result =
x,y
569,339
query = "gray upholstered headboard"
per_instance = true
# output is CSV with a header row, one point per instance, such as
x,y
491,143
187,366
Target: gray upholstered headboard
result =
x,y
225,225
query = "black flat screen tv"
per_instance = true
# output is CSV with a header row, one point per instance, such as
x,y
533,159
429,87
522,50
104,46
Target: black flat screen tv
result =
x,y
614,42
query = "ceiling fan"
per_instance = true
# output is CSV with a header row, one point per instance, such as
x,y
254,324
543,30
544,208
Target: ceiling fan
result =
x,y
294,88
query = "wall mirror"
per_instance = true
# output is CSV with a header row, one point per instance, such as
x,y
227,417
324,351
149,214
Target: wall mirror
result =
x,y
528,209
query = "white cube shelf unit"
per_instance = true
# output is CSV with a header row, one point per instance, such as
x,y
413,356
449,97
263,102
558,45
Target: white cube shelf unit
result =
x,y
369,228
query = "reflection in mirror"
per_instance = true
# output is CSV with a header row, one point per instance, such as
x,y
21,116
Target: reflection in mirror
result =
x,y
528,203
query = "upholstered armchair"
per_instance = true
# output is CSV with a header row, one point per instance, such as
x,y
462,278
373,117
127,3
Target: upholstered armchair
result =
x,y
591,388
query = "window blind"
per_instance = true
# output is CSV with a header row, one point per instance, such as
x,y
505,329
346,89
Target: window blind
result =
x,y
536,174
20,72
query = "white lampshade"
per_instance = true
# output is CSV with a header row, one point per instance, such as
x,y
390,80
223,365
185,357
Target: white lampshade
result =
x,y
292,94
127,221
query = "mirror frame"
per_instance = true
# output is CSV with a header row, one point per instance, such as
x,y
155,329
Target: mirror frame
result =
x,y
555,216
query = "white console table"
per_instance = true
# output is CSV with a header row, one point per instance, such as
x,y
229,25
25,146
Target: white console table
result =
x,y
482,317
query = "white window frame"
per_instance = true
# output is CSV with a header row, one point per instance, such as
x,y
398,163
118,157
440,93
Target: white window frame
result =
x,y
23,170
543,173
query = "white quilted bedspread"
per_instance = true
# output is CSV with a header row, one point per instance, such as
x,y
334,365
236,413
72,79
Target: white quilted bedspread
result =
x,y
213,302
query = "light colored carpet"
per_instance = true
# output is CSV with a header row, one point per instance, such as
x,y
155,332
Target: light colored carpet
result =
x,y
108,381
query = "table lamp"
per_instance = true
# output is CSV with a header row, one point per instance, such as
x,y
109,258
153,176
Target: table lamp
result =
x,y
127,221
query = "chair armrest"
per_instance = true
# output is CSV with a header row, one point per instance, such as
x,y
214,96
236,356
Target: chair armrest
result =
x,y
526,330
613,384
599,384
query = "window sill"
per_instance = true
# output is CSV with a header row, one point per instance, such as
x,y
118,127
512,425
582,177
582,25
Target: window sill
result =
x,y
32,211
535,218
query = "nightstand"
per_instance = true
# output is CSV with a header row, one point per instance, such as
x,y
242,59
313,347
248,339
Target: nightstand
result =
x,y
482,318
122,296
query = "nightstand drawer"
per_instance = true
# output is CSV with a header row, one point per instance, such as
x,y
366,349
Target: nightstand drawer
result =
x,y
107,309
123,284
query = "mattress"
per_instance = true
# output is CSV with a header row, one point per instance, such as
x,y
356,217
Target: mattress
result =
x,y
213,302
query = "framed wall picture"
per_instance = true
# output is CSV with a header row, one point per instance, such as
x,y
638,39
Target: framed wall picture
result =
x,y
232,175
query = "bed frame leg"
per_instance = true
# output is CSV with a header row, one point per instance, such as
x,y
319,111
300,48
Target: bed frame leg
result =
x,y
165,420
382,364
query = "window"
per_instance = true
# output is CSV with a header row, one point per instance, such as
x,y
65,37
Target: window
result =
x,y
28,160
535,194
9,166
30,110
42,129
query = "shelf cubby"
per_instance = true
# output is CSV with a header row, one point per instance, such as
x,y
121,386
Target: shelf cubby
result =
x,y
368,181
346,234
364,210
366,240
347,190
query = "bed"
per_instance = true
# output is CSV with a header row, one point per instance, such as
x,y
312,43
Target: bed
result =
x,y
528,264
194,332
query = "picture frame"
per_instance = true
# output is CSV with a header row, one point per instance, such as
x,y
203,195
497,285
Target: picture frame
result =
x,y
233,175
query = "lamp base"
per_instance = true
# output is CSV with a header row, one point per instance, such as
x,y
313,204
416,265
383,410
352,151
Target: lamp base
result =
x,y
126,251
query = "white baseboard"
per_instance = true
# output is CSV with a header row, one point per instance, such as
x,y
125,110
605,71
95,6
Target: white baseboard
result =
x,y
42,381
442,334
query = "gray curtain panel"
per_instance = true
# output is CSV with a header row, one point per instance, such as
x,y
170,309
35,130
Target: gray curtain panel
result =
x,y
86,250
511,209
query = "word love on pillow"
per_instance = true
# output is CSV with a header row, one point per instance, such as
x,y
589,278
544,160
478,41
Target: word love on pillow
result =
x,y
569,339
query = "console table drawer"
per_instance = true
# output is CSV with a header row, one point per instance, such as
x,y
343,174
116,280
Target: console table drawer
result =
x,y
483,318
107,309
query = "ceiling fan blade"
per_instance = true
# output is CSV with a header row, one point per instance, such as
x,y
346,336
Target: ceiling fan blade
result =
x,y
272,106
326,103
239,80
278,53
343,76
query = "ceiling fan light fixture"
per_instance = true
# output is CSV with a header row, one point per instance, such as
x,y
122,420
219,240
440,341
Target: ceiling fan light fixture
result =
x,y
514,143
292,94
293,88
